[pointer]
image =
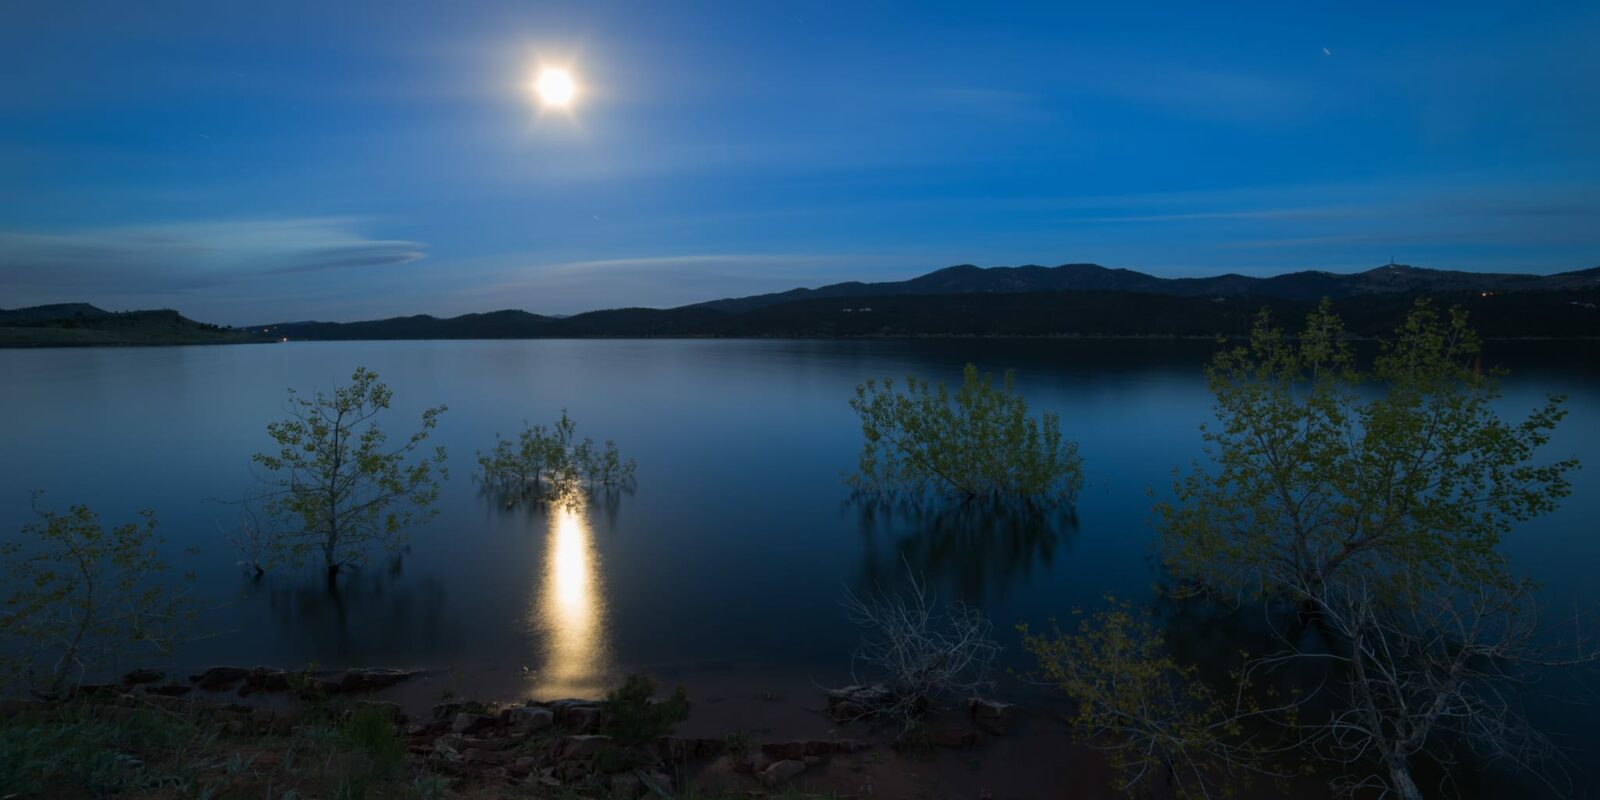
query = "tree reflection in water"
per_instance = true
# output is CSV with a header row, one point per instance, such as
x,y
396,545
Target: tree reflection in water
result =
x,y
369,615
971,548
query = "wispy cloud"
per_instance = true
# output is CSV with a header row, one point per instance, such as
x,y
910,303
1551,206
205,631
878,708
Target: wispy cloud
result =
x,y
183,257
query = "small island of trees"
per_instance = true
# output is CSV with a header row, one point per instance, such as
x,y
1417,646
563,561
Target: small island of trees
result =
x,y
549,462
976,442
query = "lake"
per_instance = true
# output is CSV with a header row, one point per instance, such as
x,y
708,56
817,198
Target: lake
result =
x,y
733,551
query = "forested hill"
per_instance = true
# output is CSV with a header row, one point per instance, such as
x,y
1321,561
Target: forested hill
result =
x,y
492,325
83,325
1071,300
1521,314
1308,285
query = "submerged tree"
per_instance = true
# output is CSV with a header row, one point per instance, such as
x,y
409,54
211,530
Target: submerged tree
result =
x,y
259,543
550,462
978,441
1321,470
79,596
605,467
1376,500
337,487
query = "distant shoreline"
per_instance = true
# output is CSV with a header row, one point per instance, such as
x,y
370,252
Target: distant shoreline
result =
x,y
26,338
68,345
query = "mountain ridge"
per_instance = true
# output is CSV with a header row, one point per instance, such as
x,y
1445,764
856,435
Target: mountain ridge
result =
x,y
962,300
1117,314
1302,285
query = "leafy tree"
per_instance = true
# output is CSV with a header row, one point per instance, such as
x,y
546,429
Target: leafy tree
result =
x,y
551,462
337,486
978,441
1377,498
80,596
1160,725
1320,470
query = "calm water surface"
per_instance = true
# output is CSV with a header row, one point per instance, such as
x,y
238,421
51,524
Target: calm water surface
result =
x,y
739,539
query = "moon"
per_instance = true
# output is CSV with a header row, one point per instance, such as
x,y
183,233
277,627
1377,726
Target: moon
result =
x,y
555,87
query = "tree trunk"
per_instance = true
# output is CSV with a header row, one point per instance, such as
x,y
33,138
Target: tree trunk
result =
x,y
1309,612
328,548
1404,786
58,682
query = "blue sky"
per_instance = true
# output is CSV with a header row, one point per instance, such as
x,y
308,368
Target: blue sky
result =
x,y
253,162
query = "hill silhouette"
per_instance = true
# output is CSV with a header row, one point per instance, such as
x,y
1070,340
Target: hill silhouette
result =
x,y
82,324
1069,300
1305,285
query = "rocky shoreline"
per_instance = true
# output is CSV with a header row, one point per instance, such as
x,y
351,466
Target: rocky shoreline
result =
x,y
561,745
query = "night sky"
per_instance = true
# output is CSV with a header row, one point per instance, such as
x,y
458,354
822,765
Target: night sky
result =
x,y
258,162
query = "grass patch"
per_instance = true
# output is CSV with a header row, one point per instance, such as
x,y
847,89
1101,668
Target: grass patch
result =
x,y
82,750
371,731
738,745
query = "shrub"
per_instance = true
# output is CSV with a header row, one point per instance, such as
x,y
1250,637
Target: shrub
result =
x,y
634,717
919,655
371,731
80,595
1158,722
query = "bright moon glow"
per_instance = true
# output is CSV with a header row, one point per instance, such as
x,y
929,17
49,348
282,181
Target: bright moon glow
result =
x,y
555,87
569,611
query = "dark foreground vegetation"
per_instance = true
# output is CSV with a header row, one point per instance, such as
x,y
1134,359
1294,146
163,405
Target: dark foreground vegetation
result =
x,y
138,739
157,747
